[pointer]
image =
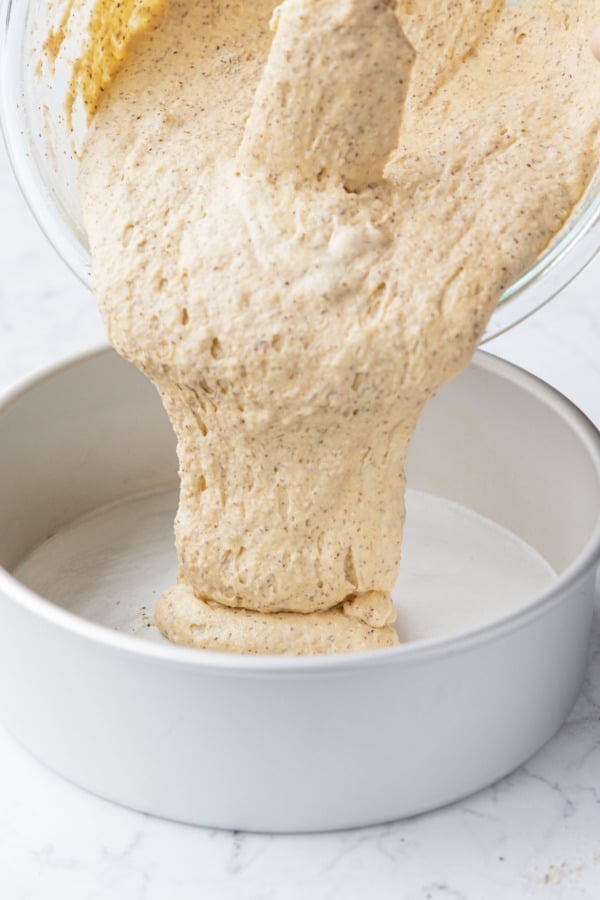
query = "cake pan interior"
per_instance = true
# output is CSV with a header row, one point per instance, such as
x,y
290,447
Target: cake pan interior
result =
x,y
94,435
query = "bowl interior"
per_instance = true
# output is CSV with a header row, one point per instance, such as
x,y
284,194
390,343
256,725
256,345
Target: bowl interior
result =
x,y
43,148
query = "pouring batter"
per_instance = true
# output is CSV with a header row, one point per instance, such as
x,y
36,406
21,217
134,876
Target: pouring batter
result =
x,y
301,220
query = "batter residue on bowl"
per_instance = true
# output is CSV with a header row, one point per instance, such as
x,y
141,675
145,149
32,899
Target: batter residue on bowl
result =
x,y
301,219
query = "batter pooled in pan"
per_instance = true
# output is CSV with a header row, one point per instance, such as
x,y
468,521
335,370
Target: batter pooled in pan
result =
x,y
301,219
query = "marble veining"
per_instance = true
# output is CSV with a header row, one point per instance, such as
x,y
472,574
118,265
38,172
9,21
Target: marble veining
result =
x,y
535,834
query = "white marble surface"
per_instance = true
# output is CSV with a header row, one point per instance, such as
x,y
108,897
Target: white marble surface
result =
x,y
534,835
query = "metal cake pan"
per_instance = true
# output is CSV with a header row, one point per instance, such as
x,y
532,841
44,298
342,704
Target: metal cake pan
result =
x,y
279,743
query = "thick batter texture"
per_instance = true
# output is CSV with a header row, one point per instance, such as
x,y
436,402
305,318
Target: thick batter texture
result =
x,y
301,219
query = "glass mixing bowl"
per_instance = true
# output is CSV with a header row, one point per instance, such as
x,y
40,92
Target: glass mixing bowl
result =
x,y
41,146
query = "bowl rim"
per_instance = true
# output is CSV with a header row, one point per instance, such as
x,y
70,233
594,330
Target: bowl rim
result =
x,y
409,653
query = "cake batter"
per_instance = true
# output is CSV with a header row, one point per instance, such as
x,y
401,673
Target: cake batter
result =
x,y
301,219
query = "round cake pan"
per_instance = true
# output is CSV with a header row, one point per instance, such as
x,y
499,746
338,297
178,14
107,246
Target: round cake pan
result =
x,y
284,743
